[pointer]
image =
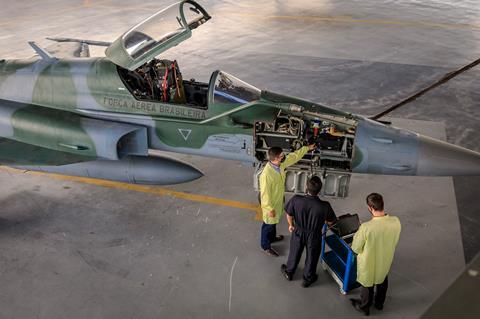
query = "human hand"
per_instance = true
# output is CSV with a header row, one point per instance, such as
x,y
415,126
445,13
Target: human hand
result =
x,y
271,214
291,228
312,147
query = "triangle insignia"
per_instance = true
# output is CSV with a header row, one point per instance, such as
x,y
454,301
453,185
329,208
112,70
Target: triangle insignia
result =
x,y
185,133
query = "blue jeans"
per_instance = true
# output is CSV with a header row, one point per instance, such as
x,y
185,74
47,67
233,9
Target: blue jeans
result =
x,y
269,232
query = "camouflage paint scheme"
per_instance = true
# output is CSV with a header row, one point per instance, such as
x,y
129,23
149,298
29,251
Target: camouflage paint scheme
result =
x,y
64,111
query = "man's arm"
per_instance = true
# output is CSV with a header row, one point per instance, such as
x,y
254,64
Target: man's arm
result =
x,y
331,217
398,233
289,210
265,195
291,223
359,241
294,157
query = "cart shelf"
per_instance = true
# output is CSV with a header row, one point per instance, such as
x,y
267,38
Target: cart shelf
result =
x,y
339,260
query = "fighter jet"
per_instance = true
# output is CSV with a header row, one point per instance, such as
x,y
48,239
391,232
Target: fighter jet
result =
x,y
101,117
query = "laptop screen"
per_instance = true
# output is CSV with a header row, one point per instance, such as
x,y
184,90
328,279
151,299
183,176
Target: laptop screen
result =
x,y
347,225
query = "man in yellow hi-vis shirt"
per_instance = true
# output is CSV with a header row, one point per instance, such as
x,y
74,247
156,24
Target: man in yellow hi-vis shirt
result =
x,y
375,243
272,193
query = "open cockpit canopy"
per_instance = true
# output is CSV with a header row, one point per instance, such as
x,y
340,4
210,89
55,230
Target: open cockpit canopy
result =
x,y
156,34
225,89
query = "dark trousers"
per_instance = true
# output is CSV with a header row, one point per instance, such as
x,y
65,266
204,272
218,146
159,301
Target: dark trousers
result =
x,y
367,296
313,244
269,232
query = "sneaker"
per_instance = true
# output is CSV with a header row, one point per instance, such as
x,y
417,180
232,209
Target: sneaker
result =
x,y
271,252
278,238
286,274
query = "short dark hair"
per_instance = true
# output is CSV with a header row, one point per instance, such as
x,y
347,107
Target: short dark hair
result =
x,y
314,185
273,152
375,201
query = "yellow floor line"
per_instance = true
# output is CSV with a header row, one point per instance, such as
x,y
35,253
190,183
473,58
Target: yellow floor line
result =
x,y
159,191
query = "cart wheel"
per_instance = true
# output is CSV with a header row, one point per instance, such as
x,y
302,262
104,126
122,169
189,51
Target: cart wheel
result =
x,y
342,291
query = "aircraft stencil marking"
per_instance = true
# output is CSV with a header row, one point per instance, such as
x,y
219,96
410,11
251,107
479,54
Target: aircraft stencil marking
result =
x,y
185,133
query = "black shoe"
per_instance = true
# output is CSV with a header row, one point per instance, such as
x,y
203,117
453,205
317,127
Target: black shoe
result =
x,y
278,238
307,283
356,305
271,252
286,274
378,307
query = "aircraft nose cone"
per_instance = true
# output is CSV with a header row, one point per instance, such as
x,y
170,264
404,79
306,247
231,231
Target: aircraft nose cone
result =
x,y
437,158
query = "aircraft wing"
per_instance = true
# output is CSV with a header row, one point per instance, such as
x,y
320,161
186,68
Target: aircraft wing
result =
x,y
68,50
13,153
67,132
70,47
38,138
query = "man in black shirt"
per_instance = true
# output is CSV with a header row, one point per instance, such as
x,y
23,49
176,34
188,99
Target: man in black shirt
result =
x,y
306,216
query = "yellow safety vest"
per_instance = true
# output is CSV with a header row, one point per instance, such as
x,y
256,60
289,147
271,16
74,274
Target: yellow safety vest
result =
x,y
272,186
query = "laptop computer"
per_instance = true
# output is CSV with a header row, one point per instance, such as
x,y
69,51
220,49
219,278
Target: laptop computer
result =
x,y
346,226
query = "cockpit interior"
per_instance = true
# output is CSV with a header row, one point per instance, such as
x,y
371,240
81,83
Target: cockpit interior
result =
x,y
161,81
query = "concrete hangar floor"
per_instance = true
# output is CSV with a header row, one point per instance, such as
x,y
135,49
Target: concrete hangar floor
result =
x,y
77,249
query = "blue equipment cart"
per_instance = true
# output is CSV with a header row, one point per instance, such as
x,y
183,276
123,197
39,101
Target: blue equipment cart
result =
x,y
338,259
